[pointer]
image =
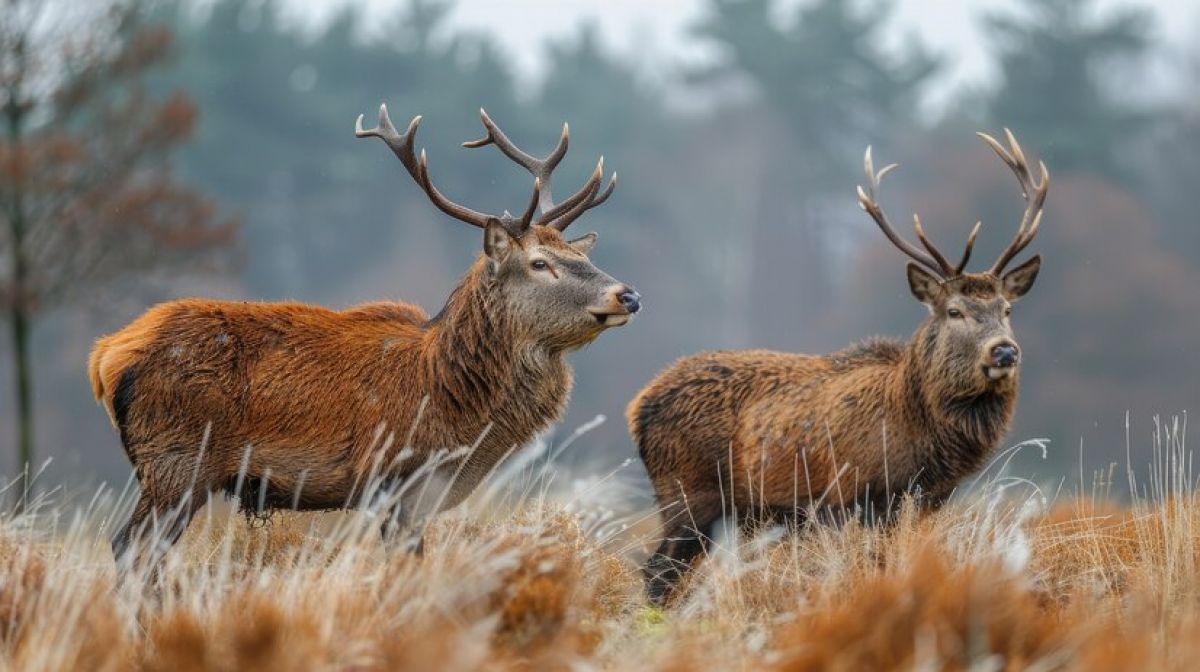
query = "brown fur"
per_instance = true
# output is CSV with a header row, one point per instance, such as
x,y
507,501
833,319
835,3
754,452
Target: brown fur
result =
x,y
300,403
770,433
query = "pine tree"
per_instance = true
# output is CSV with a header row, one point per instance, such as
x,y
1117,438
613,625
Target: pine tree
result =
x,y
1058,62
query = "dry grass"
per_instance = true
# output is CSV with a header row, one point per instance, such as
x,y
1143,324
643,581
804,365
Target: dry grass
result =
x,y
999,580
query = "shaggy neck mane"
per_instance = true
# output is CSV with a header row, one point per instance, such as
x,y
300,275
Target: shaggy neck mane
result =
x,y
964,427
468,348
473,356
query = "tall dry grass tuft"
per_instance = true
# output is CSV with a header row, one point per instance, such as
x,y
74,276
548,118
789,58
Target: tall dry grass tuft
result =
x,y
42,598
534,574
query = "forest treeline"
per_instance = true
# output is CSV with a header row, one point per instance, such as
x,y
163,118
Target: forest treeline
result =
x,y
735,218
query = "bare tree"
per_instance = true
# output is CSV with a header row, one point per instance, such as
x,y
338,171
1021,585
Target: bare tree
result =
x,y
86,191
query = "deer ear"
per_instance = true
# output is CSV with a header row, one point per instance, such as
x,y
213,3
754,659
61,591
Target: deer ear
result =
x,y
923,284
584,243
497,241
1016,282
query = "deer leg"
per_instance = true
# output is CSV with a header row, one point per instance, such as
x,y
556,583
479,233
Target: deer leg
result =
x,y
160,526
408,539
686,538
401,532
124,537
165,506
419,500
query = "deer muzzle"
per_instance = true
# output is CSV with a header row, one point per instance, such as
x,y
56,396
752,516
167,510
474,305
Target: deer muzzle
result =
x,y
622,302
1003,356
630,300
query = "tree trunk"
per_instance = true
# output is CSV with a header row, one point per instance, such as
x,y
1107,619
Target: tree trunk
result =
x,y
19,314
21,322
24,380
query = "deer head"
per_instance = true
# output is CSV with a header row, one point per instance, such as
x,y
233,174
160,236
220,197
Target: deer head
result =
x,y
546,282
968,336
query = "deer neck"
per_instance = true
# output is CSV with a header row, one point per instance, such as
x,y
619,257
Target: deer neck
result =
x,y
476,362
961,426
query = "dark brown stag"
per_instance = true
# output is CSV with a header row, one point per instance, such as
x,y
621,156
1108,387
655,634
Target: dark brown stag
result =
x,y
773,434
298,406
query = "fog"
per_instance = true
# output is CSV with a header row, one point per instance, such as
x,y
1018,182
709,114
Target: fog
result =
x,y
738,130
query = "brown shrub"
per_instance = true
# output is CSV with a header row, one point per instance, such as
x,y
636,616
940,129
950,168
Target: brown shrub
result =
x,y
55,619
22,575
543,602
932,613
250,631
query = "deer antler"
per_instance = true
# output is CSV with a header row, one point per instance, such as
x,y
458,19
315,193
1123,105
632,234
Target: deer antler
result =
x,y
962,264
559,216
1033,192
867,199
401,145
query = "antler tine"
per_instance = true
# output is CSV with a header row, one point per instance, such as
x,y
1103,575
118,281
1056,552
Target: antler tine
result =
x,y
527,217
1034,193
585,192
962,264
581,206
947,269
1017,245
591,199
539,168
444,204
401,144
867,201
574,199
608,190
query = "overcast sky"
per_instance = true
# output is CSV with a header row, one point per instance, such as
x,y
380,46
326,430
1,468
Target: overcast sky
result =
x,y
658,31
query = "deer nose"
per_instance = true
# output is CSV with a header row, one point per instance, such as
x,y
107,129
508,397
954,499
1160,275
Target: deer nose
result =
x,y
630,300
1005,355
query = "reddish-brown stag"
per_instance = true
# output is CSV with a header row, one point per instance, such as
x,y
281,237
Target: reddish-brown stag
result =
x,y
288,405
772,434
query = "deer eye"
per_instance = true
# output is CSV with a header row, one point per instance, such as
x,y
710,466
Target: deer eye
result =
x,y
1007,311
954,312
539,265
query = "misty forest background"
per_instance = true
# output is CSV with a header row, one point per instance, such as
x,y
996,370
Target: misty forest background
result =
x,y
735,215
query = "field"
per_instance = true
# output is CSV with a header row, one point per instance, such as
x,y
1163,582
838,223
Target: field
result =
x,y
536,573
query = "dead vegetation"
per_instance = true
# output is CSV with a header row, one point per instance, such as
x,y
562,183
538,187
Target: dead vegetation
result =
x,y
998,580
